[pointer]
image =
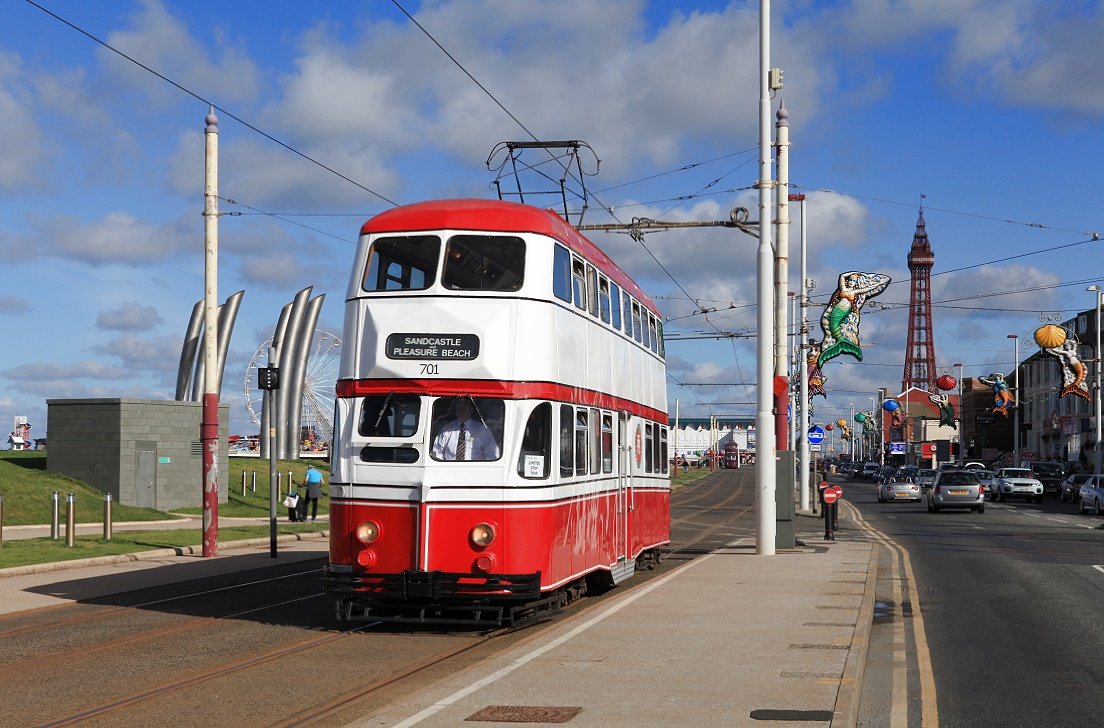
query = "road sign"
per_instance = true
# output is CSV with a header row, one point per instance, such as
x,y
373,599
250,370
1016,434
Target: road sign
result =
x,y
830,495
839,490
815,447
816,435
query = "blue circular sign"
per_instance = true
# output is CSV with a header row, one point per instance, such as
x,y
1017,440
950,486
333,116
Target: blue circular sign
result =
x,y
816,435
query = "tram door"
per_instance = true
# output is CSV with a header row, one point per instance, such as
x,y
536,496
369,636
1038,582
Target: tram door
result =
x,y
627,448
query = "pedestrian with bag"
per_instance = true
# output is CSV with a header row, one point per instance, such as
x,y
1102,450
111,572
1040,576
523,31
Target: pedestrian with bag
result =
x,y
313,481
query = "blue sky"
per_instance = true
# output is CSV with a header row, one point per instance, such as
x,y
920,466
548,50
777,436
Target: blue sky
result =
x,y
991,108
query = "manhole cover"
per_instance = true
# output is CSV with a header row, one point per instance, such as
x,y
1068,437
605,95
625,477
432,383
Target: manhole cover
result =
x,y
525,714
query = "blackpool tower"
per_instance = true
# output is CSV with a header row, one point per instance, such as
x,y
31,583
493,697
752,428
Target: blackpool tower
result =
x,y
920,350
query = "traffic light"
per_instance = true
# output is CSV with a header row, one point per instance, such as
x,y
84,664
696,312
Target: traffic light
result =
x,y
268,378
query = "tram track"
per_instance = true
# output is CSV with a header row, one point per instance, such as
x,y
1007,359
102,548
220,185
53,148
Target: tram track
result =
x,y
171,670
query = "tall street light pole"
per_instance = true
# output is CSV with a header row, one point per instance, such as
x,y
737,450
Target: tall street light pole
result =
x,y
1016,402
961,423
766,478
851,423
209,423
1096,380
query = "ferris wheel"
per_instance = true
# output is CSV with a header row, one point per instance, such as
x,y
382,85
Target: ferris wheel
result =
x,y
316,413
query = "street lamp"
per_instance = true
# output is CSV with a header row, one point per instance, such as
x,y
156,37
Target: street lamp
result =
x,y
961,421
851,423
873,436
1096,358
1016,402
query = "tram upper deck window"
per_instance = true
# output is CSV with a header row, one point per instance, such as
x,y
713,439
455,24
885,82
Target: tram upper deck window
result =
x,y
604,299
637,328
467,428
592,291
628,315
615,310
561,273
654,329
389,415
578,281
407,263
484,263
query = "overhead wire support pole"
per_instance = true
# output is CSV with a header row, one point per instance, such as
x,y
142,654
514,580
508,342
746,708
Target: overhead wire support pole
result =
x,y
803,363
766,478
782,277
209,423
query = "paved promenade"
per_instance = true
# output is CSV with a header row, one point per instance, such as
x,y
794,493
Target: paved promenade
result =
x,y
728,639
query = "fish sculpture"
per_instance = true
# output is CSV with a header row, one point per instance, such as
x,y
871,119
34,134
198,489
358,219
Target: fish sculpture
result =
x,y
1073,369
946,409
840,320
1002,395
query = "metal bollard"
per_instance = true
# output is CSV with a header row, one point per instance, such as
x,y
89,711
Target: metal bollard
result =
x,y
243,483
70,519
107,516
254,481
279,485
1,519
55,532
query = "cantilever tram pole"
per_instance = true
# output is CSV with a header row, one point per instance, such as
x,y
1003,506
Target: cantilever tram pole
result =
x,y
209,425
765,476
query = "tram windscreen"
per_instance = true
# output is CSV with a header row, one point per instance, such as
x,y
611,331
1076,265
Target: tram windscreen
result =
x,y
477,421
484,263
389,415
407,263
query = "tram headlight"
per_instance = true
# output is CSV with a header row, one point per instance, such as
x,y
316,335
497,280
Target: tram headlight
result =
x,y
482,535
367,532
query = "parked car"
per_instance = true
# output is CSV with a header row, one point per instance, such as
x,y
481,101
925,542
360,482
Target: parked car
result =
x,y
1017,482
1071,487
985,476
869,470
907,471
1092,492
956,489
884,474
924,477
1050,475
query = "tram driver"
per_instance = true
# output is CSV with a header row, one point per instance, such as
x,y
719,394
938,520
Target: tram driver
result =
x,y
465,438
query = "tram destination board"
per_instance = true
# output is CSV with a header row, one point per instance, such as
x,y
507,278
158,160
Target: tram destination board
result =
x,y
453,347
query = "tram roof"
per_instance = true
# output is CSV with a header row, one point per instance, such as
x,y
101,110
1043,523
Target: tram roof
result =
x,y
500,216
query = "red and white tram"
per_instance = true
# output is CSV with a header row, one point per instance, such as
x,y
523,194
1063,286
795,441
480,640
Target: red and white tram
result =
x,y
502,318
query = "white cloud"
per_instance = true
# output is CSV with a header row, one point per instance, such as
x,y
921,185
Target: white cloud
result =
x,y
23,159
57,371
130,316
14,305
116,237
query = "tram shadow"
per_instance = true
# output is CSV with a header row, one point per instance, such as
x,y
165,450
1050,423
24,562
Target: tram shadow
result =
x,y
243,584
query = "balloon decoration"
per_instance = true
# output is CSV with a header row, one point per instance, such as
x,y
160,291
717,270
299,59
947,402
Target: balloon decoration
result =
x,y
946,382
1050,336
841,422
829,427
1002,395
840,320
946,410
860,417
890,405
1062,345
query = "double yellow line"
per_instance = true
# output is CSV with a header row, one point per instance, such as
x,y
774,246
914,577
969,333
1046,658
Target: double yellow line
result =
x,y
899,560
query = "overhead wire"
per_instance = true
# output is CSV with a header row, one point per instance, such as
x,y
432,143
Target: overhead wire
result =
x,y
211,104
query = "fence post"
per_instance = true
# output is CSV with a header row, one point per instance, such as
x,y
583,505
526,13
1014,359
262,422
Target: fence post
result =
x,y
70,519
107,517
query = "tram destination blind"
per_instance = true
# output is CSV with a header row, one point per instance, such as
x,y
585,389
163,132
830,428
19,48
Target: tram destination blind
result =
x,y
453,347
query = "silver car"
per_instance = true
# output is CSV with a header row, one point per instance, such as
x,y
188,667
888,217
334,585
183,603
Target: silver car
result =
x,y
986,477
956,489
1092,493
1017,482
899,489
924,477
